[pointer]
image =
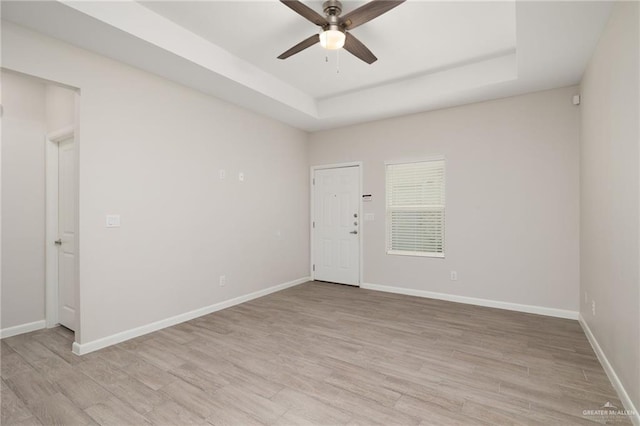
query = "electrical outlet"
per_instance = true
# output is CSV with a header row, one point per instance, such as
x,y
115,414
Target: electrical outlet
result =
x,y
223,280
454,276
593,307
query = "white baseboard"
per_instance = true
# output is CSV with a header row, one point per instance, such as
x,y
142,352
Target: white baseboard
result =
x,y
608,368
531,309
85,348
22,328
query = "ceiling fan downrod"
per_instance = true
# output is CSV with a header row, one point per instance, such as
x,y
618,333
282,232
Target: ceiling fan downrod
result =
x,y
332,8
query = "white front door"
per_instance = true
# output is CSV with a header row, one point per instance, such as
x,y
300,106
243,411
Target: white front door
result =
x,y
66,233
336,225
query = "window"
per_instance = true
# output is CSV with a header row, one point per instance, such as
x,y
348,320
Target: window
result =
x,y
415,208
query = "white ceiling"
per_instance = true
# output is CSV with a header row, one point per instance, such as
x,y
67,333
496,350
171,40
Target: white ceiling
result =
x,y
414,38
430,54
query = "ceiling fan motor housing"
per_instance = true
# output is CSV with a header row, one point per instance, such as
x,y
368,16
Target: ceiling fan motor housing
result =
x,y
333,9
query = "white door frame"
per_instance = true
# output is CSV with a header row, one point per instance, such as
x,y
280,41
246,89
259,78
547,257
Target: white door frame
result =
x,y
357,164
51,226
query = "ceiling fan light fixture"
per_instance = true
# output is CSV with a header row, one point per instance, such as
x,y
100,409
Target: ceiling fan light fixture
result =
x,y
332,39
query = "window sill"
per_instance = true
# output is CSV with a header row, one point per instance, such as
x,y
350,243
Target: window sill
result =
x,y
415,254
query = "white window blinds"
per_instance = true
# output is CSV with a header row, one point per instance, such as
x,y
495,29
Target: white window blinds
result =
x,y
416,208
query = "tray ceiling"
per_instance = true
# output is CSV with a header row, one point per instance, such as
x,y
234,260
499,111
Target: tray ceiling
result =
x,y
431,54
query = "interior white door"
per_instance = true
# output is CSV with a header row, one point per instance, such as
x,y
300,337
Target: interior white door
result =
x,y
66,233
335,225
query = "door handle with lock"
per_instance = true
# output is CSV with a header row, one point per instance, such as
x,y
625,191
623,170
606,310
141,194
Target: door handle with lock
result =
x,y
58,242
353,232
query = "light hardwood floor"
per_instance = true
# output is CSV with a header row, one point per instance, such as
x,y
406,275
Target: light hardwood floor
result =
x,y
321,354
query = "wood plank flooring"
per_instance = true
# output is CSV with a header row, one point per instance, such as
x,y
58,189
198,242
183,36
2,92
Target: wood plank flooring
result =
x,y
316,354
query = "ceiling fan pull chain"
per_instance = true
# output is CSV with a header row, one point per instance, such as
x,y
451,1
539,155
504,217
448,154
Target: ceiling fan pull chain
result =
x,y
338,61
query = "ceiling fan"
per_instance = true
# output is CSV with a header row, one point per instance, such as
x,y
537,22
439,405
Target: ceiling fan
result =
x,y
335,28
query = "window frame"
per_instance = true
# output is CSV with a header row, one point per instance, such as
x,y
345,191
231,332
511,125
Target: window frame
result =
x,y
387,210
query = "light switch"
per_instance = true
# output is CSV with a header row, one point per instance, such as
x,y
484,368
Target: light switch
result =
x,y
241,177
223,174
369,217
113,221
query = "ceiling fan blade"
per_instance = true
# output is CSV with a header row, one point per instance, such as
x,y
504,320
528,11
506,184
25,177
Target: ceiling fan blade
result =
x,y
359,50
367,12
306,12
308,42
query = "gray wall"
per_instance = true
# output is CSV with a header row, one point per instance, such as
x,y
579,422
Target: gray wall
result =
x,y
150,150
610,195
511,196
60,107
23,194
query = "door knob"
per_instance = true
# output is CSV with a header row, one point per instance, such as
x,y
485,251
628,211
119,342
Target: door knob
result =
x,y
353,232
58,242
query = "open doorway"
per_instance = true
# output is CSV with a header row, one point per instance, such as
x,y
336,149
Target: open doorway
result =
x,y
39,205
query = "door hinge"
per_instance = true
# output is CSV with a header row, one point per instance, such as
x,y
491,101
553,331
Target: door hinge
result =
x,y
314,268
314,181
314,223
